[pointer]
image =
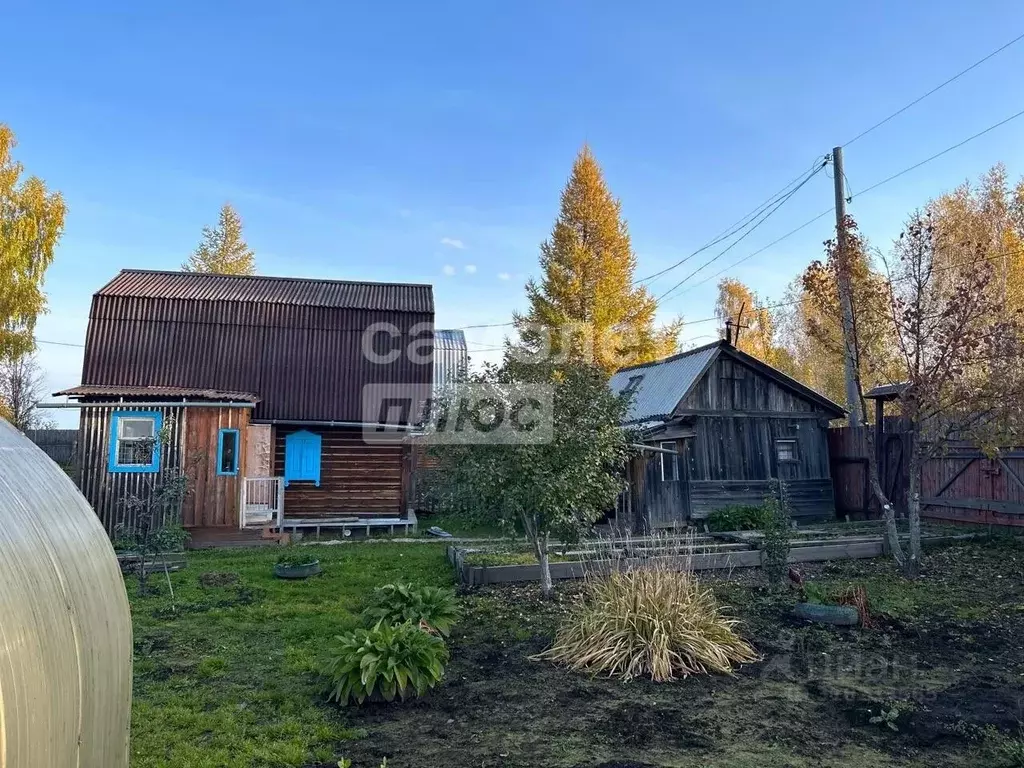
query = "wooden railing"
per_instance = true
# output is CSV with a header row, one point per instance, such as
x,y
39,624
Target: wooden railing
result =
x,y
262,501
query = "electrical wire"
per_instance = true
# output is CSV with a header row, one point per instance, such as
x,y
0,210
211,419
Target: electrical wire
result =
x,y
943,152
737,226
937,88
763,219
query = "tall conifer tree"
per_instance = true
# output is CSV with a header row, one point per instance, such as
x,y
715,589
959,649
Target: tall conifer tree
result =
x,y
585,305
223,250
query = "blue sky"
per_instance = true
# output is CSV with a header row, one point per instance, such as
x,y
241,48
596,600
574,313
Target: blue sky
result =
x,y
389,141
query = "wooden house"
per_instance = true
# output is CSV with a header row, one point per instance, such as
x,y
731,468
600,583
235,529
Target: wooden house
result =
x,y
718,426
264,391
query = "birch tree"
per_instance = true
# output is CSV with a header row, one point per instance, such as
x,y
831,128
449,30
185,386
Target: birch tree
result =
x,y
960,359
31,224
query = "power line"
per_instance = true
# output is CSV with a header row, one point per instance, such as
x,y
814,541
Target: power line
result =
x,y
862,192
941,268
735,227
58,343
764,218
937,88
943,152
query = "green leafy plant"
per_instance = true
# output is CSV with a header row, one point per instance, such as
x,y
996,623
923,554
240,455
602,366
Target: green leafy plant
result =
x,y
652,620
1010,751
776,531
384,662
737,518
346,763
432,608
889,717
293,557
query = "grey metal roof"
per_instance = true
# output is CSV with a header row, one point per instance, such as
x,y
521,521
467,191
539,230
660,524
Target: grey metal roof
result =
x,y
451,358
664,382
336,294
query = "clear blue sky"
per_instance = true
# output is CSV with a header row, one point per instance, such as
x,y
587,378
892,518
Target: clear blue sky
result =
x,y
389,141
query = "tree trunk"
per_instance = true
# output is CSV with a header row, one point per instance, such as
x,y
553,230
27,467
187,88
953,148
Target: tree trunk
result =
x,y
888,510
541,544
913,565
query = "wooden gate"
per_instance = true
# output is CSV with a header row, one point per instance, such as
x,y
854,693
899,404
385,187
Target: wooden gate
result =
x,y
961,485
964,485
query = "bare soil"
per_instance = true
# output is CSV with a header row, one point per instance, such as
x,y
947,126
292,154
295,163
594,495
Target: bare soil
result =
x,y
945,664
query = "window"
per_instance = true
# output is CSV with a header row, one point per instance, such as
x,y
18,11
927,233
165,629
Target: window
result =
x,y
134,441
632,385
302,457
785,450
227,452
669,461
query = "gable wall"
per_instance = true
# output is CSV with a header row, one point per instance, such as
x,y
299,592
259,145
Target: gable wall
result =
x,y
731,385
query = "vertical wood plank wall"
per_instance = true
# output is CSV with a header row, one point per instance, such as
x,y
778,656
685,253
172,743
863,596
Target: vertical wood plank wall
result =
x,y
214,499
107,491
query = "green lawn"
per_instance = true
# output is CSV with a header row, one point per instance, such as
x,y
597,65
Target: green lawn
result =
x,y
223,675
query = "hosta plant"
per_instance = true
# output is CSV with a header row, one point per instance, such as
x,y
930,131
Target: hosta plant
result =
x,y
431,608
384,662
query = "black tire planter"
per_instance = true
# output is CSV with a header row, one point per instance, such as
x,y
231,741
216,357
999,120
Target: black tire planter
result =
x,y
284,571
837,615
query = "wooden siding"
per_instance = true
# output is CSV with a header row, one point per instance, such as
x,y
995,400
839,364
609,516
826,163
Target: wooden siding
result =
x,y
356,478
731,385
213,499
107,491
808,499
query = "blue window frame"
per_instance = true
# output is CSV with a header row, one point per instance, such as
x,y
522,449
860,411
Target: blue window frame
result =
x,y
135,441
227,451
302,457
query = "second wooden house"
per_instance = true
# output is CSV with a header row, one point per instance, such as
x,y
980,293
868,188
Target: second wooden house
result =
x,y
719,426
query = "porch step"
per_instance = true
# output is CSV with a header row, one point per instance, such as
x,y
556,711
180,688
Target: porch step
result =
x,y
208,538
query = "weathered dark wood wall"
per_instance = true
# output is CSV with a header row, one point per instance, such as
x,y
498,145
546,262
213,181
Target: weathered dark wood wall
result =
x,y
731,386
213,499
61,445
356,478
738,413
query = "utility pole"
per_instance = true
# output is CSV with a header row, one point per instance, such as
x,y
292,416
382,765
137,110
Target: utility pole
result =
x,y
845,300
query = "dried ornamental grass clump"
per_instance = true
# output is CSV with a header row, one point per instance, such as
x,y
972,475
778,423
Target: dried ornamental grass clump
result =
x,y
649,621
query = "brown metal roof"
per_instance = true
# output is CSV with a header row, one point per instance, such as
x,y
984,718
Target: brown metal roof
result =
x,y
114,390
336,294
295,344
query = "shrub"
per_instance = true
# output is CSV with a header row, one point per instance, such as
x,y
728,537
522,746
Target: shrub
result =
x,y
383,662
737,518
651,620
776,529
432,608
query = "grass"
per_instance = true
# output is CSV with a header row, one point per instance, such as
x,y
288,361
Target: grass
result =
x,y
224,676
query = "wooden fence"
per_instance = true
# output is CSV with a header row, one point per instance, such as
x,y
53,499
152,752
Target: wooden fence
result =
x,y
61,445
962,485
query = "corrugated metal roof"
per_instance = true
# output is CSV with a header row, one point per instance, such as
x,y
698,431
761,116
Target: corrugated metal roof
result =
x,y
302,346
659,386
335,294
114,390
451,358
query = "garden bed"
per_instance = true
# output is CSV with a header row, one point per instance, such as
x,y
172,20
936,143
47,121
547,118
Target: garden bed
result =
x,y
224,677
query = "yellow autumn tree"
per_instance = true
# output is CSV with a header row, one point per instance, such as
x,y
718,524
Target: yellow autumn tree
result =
x,y
984,220
223,249
811,330
31,223
585,306
736,302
